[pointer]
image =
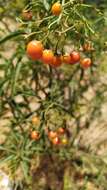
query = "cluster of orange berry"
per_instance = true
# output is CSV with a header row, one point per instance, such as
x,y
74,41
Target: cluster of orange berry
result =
x,y
57,137
36,51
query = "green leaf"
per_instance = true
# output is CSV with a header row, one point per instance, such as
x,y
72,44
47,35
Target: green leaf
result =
x,y
16,76
6,149
25,169
46,5
7,159
11,36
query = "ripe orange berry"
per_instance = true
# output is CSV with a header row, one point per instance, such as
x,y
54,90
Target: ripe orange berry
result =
x,y
66,59
35,135
35,49
75,57
56,61
47,56
56,9
35,120
64,141
61,130
52,134
55,141
86,62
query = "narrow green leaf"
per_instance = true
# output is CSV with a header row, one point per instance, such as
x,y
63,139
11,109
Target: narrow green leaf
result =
x,y
7,159
25,170
16,75
46,5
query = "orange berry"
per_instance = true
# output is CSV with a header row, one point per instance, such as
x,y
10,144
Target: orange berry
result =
x,y
35,120
35,135
86,62
35,49
61,130
66,59
55,141
52,134
75,57
56,9
47,56
56,61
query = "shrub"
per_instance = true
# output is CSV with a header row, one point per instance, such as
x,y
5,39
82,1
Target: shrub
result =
x,y
45,91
